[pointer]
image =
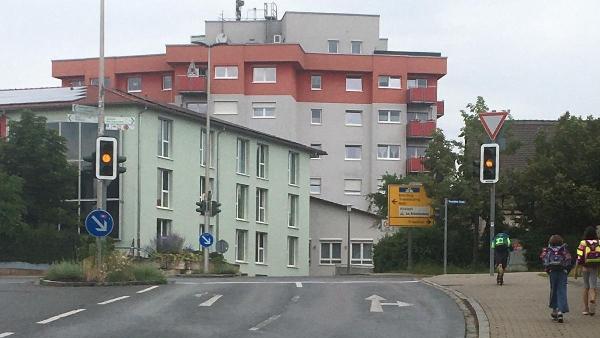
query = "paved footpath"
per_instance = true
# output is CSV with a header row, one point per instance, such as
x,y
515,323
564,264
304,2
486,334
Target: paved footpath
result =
x,y
519,309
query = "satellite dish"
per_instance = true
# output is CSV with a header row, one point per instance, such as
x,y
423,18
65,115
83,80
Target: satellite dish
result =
x,y
221,38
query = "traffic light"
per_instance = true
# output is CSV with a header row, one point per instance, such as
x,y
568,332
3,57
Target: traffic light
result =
x,y
91,159
489,166
476,168
106,158
121,169
215,208
201,207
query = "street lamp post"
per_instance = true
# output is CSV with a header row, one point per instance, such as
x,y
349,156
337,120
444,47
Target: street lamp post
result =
x,y
348,210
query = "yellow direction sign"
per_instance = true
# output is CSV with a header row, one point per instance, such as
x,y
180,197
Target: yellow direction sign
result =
x,y
409,206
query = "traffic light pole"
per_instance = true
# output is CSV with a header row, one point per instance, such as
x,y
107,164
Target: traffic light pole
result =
x,y
100,195
445,234
207,152
492,225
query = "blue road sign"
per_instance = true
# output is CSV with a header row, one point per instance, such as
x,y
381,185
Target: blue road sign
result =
x,y
99,223
206,240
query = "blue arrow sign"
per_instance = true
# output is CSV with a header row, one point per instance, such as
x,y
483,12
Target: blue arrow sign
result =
x,y
206,240
99,223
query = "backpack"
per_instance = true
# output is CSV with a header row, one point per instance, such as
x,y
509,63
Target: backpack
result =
x,y
556,258
591,254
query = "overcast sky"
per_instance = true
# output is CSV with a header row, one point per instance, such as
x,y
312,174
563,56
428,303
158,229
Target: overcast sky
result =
x,y
537,58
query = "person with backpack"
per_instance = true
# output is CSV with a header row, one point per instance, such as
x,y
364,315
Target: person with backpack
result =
x,y
588,260
557,262
501,245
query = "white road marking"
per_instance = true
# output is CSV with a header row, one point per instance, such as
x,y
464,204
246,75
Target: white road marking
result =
x,y
66,314
264,323
298,284
6,334
211,301
113,300
305,282
295,299
200,294
148,289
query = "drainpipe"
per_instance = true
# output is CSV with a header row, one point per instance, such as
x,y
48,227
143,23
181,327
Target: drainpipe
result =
x,y
139,184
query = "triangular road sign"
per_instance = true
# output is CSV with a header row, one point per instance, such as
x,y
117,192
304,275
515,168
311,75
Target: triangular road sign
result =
x,y
492,122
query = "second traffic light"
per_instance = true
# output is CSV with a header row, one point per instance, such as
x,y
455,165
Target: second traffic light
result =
x,y
490,163
106,158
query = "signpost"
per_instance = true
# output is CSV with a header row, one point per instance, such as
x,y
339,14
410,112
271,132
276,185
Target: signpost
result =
x,y
222,246
446,202
119,122
492,123
99,223
206,240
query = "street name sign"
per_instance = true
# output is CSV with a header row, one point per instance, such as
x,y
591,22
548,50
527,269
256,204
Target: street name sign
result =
x,y
456,202
82,109
409,206
492,122
99,223
206,240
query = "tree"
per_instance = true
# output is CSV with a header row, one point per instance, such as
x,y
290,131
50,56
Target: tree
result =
x,y
37,156
11,203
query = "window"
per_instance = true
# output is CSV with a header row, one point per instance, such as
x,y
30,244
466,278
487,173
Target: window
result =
x,y
315,185
389,116
134,84
265,75
352,186
94,82
225,108
331,252
241,203
292,211
200,107
241,238
164,138
362,253
315,82
226,72
261,205
164,188
413,152
392,82
242,156
388,152
353,118
293,168
211,184
316,116
78,83
417,116
355,47
262,160
292,251
263,110
417,83
353,152
163,227
332,46
167,82
316,146
260,253
353,83
213,146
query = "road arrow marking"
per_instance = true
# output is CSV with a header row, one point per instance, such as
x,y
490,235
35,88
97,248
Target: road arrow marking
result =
x,y
295,298
377,305
211,301
102,227
66,314
113,300
398,304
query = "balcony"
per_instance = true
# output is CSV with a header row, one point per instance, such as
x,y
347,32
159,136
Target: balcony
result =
x,y
416,165
440,108
184,84
420,129
422,95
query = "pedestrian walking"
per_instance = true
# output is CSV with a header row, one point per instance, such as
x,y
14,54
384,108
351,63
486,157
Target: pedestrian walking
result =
x,y
502,246
557,262
588,260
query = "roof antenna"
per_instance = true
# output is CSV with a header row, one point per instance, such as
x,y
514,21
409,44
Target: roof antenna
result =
x,y
238,9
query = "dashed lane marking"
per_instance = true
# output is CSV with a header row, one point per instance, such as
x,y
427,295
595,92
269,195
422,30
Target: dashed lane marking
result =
x,y
113,300
66,314
211,301
298,284
148,289
264,323
6,334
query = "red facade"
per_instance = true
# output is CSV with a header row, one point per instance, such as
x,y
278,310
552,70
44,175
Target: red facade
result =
x,y
415,165
3,126
420,129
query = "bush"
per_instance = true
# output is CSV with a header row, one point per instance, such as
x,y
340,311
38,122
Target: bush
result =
x,y
65,272
169,244
42,245
147,273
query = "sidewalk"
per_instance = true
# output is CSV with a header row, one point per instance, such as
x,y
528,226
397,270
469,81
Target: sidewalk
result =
x,y
520,308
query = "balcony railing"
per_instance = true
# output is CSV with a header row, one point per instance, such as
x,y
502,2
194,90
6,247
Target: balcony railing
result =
x,y
420,129
422,95
440,108
416,165
190,84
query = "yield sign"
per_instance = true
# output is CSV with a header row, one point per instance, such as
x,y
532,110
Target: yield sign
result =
x,y
492,122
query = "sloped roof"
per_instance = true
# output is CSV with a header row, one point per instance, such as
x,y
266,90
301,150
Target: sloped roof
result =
x,y
524,131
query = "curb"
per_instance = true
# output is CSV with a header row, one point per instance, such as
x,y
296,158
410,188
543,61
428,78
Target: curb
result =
x,y
210,275
46,282
476,321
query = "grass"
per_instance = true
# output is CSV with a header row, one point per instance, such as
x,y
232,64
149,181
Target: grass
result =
x,y
65,272
148,273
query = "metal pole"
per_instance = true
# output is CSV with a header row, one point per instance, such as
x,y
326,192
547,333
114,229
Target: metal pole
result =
x,y
492,225
207,165
348,210
410,262
445,235
100,183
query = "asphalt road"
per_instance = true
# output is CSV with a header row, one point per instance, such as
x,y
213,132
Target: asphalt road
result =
x,y
240,307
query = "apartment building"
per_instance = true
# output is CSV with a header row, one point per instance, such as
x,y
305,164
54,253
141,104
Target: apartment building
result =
x,y
325,80
262,181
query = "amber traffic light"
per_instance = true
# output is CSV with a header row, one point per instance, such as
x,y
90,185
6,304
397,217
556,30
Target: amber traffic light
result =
x,y
106,162
489,170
